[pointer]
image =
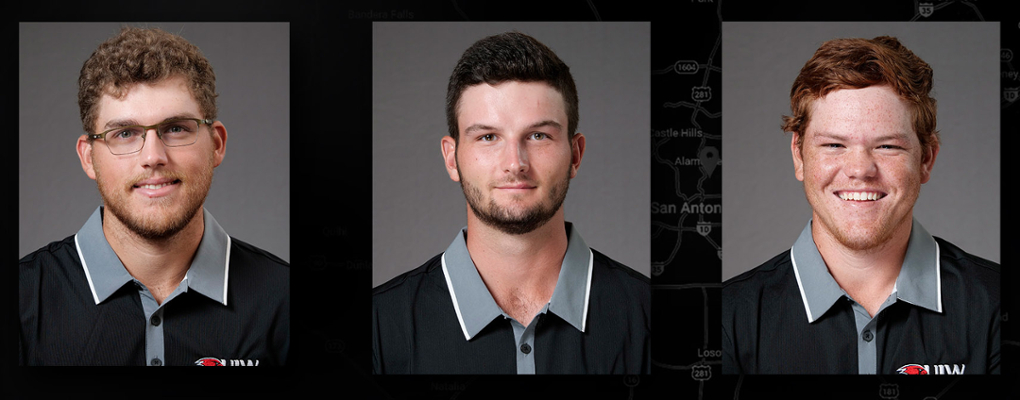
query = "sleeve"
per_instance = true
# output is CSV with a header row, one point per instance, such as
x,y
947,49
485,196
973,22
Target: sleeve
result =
x,y
995,349
376,357
729,362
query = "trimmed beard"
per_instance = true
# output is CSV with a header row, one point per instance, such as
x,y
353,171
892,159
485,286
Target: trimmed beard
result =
x,y
511,221
168,221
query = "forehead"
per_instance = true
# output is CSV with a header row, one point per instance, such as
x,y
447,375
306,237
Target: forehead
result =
x,y
510,103
148,102
870,110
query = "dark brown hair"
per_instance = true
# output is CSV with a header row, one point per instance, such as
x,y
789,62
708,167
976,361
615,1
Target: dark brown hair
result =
x,y
511,56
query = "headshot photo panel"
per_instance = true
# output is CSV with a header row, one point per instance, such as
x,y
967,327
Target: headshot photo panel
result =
x,y
863,174
130,237
254,178
525,145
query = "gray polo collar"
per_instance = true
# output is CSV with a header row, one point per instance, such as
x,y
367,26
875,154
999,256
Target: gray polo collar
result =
x,y
105,273
918,283
475,306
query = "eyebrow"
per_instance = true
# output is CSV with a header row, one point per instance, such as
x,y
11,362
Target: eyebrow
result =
x,y
883,138
546,123
120,123
540,124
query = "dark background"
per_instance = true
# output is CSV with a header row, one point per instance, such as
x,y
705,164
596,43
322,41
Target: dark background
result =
x,y
331,223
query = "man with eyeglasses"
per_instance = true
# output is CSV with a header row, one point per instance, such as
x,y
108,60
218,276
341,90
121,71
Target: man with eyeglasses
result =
x,y
151,278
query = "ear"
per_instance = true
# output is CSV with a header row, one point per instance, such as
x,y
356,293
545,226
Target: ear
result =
x,y
219,137
798,158
576,153
84,150
928,162
449,149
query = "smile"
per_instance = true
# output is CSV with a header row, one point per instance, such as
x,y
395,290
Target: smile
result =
x,y
155,186
860,196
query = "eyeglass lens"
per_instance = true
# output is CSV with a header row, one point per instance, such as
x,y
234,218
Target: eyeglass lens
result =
x,y
173,133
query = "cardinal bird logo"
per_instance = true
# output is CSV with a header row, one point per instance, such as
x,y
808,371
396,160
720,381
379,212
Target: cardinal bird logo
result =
x,y
209,362
913,369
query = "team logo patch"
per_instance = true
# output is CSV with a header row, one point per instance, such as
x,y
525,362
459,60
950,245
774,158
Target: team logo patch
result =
x,y
913,369
935,369
209,362
222,362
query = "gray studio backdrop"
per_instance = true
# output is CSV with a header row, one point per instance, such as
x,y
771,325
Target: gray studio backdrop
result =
x,y
417,209
250,194
765,205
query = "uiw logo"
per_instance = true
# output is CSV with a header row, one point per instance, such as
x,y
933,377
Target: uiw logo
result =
x,y
937,369
221,362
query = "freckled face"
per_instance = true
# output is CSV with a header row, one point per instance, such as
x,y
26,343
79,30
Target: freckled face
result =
x,y
514,157
862,166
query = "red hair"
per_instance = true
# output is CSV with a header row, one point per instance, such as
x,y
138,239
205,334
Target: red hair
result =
x,y
859,63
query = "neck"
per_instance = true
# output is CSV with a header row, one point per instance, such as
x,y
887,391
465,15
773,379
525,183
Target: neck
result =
x,y
867,275
520,271
159,264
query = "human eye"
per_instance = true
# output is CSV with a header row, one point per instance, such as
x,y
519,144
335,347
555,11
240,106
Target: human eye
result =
x,y
124,134
539,136
487,137
178,127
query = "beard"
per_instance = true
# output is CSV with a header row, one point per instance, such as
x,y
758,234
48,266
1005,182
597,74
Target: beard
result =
x,y
873,237
515,220
171,214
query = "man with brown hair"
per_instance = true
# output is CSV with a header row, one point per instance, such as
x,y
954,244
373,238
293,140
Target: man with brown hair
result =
x,y
517,291
152,278
864,289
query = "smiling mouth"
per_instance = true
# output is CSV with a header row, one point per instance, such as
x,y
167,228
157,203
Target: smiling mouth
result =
x,y
860,196
158,185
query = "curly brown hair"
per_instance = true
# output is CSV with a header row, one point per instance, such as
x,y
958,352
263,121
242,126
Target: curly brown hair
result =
x,y
859,63
138,55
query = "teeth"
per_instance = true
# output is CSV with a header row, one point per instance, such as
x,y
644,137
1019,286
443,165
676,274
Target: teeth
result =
x,y
154,186
859,196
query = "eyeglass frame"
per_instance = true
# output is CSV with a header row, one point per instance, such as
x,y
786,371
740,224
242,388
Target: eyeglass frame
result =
x,y
145,131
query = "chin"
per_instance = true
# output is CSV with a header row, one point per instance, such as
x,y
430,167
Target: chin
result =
x,y
863,238
162,227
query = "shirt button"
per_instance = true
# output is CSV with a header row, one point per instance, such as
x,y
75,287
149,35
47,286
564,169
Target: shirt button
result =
x,y
868,336
155,362
155,320
525,348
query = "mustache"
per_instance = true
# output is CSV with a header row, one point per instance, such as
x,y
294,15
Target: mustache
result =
x,y
515,179
164,174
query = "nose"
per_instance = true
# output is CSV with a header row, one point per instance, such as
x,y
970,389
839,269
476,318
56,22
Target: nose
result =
x,y
516,157
860,164
153,151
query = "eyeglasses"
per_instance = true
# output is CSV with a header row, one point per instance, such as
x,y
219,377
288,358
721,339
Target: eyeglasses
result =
x,y
173,133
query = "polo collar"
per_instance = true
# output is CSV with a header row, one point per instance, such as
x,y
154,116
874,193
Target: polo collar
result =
x,y
475,306
918,283
106,274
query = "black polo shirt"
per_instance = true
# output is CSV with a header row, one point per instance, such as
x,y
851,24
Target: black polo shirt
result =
x,y
78,305
789,316
441,319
